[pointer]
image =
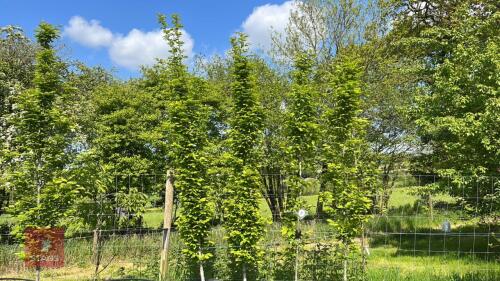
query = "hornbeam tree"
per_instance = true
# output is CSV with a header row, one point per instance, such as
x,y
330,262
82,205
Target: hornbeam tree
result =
x,y
186,128
349,171
301,132
241,209
41,142
301,126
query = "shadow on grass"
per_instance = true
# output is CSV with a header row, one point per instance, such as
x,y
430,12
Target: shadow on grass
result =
x,y
421,235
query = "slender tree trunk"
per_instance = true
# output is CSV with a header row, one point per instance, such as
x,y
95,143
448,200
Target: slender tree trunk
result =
x,y
38,269
202,271
280,186
431,207
273,192
297,264
244,272
322,187
364,248
345,262
345,270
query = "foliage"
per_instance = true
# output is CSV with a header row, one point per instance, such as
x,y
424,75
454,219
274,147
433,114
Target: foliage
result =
x,y
388,92
302,133
40,144
321,27
373,88
301,124
349,169
241,216
17,56
457,47
186,127
271,89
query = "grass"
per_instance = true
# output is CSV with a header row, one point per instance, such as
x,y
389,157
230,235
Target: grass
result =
x,y
6,219
405,244
153,217
131,256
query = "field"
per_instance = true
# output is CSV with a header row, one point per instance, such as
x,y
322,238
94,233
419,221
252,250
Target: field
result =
x,y
405,243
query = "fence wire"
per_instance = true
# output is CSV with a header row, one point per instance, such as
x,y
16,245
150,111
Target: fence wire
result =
x,y
420,227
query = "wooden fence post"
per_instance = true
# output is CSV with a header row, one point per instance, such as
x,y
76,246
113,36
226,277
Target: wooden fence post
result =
x,y
167,224
96,251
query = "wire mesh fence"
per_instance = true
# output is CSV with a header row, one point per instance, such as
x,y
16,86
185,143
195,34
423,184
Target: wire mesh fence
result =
x,y
420,227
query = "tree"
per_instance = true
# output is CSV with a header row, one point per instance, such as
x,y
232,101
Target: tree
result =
x,y
17,57
301,129
116,149
456,45
241,209
349,171
271,89
41,142
187,133
302,133
389,95
322,27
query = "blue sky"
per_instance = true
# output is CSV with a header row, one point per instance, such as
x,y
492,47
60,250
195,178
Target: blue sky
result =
x,y
124,34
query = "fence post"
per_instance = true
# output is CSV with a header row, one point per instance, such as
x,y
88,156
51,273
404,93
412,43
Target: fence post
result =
x,y
167,224
96,251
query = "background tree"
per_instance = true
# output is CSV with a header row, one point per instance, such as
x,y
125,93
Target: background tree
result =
x,y
389,96
322,27
17,57
40,144
456,46
117,148
271,89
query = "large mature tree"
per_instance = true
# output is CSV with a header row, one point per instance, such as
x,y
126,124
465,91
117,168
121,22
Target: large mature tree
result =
x,y
41,141
241,209
456,44
322,27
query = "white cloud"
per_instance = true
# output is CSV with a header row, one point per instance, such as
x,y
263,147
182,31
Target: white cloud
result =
x,y
142,48
264,20
88,33
130,51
